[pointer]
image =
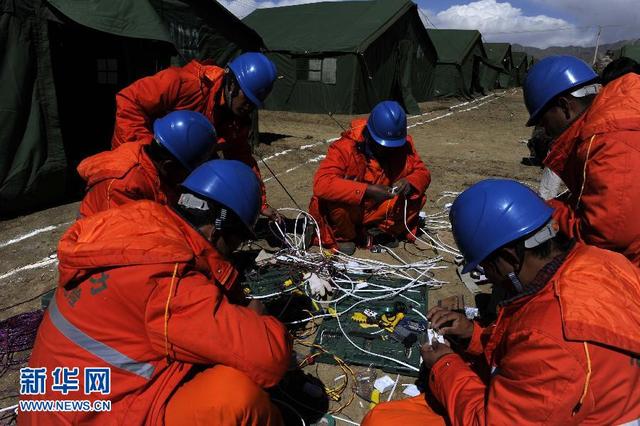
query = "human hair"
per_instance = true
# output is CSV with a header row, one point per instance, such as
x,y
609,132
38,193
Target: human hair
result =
x,y
617,68
201,212
560,242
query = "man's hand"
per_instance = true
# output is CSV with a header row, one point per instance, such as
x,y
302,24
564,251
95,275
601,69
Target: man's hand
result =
x,y
458,325
432,353
403,187
378,193
272,214
257,306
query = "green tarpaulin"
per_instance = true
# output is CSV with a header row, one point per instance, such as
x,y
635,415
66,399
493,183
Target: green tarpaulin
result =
x,y
631,51
62,63
460,54
499,54
520,68
344,57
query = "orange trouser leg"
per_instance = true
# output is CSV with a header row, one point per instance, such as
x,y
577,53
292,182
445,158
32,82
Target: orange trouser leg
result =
x,y
344,219
221,396
406,412
388,216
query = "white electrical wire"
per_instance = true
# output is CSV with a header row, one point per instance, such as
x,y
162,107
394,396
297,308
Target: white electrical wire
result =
x,y
286,404
404,364
345,420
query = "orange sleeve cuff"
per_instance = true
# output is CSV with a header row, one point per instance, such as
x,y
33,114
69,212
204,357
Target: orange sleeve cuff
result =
x,y
475,345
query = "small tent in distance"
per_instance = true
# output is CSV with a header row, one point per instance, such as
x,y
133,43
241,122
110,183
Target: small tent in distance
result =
x,y
629,51
460,53
344,57
69,59
499,54
520,68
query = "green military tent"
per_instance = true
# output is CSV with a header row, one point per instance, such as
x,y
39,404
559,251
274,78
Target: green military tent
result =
x,y
630,51
520,68
460,53
64,60
344,57
499,54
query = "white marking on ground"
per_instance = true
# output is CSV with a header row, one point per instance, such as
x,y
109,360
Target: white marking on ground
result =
x,y
311,160
31,234
39,264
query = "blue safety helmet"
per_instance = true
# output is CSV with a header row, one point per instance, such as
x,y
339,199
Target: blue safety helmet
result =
x,y
387,124
231,184
255,74
187,135
493,213
551,77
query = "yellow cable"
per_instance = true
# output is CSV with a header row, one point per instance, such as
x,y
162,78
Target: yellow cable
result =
x,y
166,312
584,171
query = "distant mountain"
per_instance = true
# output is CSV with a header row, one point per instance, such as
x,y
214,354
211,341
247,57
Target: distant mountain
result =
x,y
585,53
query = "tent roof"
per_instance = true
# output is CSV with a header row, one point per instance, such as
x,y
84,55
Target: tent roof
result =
x,y
135,18
345,26
454,45
496,52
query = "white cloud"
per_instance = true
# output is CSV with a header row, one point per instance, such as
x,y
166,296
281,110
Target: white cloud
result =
x,y
242,8
506,23
620,18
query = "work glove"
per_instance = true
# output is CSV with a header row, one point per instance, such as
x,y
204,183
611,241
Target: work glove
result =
x,y
319,287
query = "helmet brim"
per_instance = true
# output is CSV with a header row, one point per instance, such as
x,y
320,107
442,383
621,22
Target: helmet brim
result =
x,y
388,143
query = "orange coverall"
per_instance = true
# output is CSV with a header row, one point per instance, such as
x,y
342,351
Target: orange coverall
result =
x,y
598,158
577,339
142,292
338,203
194,87
120,176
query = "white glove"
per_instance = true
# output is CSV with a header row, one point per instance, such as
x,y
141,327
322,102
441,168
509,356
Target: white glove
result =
x,y
318,286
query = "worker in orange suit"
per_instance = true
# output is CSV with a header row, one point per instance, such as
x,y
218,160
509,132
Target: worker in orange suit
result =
x,y
565,349
146,290
596,151
371,185
226,96
152,171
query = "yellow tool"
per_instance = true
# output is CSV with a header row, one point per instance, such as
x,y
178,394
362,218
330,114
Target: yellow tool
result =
x,y
389,322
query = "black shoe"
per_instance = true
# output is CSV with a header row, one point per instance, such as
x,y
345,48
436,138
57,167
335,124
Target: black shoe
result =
x,y
382,239
347,247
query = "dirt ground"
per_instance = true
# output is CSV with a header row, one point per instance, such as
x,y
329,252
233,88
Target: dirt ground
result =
x,y
468,143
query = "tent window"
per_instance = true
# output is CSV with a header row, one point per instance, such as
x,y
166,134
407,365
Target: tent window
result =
x,y
107,71
321,70
329,66
315,69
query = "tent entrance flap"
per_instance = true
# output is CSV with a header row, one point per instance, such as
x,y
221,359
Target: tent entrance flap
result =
x,y
405,72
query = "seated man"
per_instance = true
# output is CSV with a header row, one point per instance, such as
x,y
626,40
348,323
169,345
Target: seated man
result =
x,y
361,187
145,291
151,171
565,347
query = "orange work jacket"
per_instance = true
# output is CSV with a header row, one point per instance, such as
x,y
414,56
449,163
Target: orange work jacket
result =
x,y
346,171
577,339
145,294
598,158
120,176
194,87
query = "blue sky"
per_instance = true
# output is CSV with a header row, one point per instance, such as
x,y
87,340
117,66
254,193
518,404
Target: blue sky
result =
x,y
539,23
